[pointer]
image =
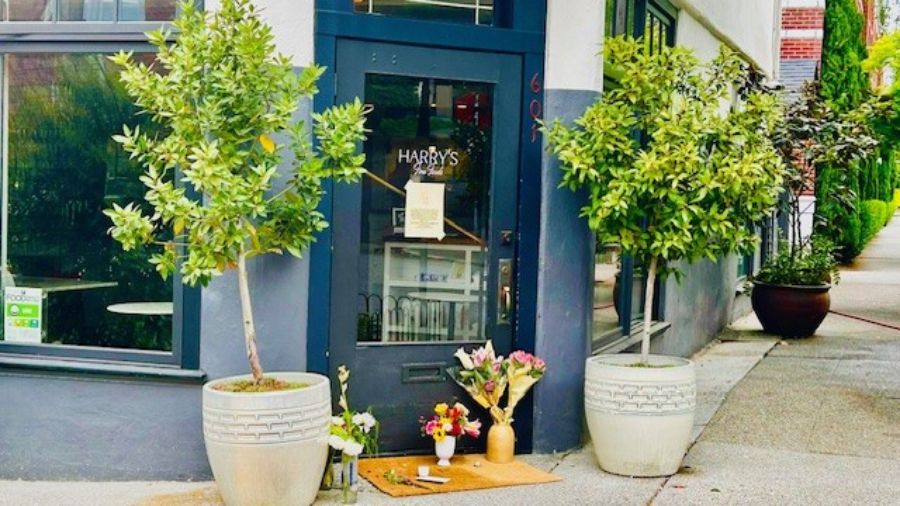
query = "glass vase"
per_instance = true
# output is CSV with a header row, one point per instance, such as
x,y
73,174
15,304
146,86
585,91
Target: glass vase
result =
x,y
349,478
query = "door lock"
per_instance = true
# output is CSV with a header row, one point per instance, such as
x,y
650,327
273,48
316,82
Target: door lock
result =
x,y
504,291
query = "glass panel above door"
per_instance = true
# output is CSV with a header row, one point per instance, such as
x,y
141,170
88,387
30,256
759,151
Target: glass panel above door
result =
x,y
478,12
413,289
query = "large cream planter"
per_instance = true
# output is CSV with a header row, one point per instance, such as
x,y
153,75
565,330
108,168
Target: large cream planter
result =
x,y
268,449
640,418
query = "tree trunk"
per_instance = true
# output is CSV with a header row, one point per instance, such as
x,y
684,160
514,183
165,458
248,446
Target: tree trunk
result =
x,y
247,315
648,309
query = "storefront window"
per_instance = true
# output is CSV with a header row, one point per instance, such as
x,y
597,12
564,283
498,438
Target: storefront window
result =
x,y
89,10
619,281
425,131
478,12
65,281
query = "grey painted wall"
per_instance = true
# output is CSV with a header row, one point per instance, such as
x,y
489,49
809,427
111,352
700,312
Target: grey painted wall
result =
x,y
78,428
565,275
279,292
699,307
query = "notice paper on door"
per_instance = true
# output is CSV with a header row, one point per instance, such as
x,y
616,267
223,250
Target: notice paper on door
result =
x,y
424,210
22,315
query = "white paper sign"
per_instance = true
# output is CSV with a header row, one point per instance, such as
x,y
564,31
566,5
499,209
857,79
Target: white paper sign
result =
x,y
424,210
22,308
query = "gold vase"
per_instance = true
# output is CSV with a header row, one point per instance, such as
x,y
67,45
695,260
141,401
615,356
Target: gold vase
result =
x,y
501,444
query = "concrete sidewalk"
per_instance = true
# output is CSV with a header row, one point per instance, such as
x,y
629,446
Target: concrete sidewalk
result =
x,y
818,420
807,422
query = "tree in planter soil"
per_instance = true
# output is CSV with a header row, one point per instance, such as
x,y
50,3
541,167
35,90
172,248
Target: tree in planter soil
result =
x,y
671,174
226,103
811,137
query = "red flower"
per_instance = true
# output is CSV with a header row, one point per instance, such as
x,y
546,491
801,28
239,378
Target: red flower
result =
x,y
457,430
453,413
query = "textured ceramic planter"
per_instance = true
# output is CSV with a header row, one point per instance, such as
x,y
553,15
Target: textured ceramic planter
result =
x,y
640,418
268,449
789,310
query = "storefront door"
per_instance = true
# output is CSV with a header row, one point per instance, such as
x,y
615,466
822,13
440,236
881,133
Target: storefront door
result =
x,y
445,128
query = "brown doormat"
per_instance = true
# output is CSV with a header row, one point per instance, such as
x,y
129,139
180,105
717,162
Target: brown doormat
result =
x,y
468,472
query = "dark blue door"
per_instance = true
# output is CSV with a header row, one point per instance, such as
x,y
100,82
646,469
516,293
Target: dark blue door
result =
x,y
402,303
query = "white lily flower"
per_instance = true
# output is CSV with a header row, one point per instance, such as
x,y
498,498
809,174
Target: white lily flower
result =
x,y
352,448
464,359
336,443
364,420
337,420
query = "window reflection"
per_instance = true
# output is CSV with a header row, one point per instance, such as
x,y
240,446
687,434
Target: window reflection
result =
x,y
63,170
428,131
607,289
478,12
89,10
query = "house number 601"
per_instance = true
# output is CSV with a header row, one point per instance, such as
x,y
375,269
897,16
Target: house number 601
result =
x,y
535,107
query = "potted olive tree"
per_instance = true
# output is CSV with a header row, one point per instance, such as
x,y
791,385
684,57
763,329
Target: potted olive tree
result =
x,y
790,293
672,177
226,104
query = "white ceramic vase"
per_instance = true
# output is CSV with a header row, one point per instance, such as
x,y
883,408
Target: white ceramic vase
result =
x,y
268,449
445,450
640,418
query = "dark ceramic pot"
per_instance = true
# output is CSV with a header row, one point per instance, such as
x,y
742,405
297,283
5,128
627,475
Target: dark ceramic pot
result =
x,y
790,310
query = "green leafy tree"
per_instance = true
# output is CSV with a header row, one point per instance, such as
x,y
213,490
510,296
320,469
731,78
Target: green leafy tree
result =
x,y
844,83
670,174
224,97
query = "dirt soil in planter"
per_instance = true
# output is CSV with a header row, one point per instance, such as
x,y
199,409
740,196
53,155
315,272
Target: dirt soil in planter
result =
x,y
266,385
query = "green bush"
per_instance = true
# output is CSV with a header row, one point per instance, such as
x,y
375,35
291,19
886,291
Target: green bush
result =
x,y
811,265
837,210
872,218
889,209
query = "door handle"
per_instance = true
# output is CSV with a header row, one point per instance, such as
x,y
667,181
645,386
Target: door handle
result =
x,y
504,291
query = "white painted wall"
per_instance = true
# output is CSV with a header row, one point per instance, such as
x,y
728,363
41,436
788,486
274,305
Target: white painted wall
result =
x,y
574,40
690,33
292,23
748,26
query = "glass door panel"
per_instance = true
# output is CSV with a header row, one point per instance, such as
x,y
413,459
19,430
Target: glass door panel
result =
x,y
426,131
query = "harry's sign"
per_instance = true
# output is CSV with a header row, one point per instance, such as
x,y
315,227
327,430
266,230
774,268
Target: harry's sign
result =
x,y
428,162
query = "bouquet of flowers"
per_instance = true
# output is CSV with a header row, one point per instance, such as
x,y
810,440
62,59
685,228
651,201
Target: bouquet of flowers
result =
x,y
352,432
450,421
486,377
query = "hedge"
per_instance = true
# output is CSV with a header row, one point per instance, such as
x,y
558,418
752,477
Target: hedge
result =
x,y
836,218
873,216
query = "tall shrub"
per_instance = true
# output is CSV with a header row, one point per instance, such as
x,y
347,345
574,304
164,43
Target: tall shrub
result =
x,y
844,83
226,101
844,86
692,181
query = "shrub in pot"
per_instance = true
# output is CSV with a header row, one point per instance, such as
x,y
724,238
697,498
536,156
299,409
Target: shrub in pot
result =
x,y
790,292
671,177
226,102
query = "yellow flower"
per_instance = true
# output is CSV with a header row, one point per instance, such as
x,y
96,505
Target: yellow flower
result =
x,y
441,409
439,434
267,143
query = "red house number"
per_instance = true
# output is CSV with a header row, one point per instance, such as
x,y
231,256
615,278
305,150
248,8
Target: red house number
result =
x,y
535,107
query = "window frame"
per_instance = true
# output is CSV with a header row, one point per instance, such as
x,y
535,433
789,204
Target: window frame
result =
x,y
90,39
613,340
500,14
78,31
